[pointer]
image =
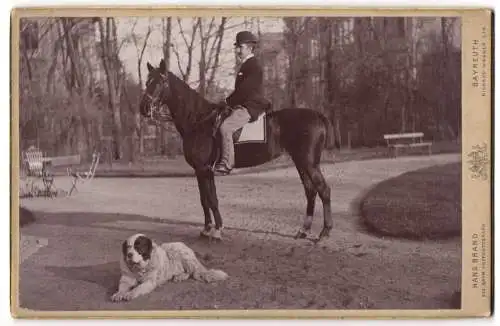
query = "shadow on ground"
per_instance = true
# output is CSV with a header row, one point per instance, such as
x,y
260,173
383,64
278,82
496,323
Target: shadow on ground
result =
x,y
104,275
132,222
26,217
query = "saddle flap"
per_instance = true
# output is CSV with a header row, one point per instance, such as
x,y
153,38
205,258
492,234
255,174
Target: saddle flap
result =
x,y
253,132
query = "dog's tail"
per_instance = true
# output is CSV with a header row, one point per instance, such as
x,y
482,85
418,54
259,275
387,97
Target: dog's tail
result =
x,y
212,275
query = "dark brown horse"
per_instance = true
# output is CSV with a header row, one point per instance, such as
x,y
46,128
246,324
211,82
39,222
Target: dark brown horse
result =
x,y
303,133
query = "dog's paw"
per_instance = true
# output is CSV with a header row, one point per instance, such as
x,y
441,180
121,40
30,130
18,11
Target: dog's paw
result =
x,y
129,296
118,296
180,277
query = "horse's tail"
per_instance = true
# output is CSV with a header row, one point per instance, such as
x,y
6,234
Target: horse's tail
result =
x,y
330,136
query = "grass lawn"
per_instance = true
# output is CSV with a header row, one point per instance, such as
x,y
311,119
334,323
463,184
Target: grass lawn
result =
x,y
420,204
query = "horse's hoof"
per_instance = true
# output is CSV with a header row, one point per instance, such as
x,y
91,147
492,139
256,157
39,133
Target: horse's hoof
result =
x,y
215,235
301,234
316,241
206,232
325,233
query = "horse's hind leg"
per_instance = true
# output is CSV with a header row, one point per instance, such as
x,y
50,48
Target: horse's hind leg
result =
x,y
324,193
203,187
311,193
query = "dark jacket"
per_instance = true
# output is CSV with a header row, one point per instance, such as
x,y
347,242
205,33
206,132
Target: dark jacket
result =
x,y
249,89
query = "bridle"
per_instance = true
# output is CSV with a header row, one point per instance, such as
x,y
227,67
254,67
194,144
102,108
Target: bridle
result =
x,y
159,114
156,112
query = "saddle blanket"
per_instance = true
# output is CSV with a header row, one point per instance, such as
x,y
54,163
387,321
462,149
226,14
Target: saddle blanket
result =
x,y
253,132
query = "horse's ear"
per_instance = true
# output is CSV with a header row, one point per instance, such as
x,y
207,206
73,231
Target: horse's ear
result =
x,y
162,66
150,67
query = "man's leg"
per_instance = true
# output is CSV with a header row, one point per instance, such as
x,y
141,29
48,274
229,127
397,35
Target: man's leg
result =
x,y
236,120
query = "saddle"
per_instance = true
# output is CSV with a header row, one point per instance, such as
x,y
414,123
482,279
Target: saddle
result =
x,y
225,111
250,141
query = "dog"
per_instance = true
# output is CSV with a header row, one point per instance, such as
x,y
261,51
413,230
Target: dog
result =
x,y
145,266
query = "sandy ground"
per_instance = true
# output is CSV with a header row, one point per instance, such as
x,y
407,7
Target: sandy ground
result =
x,y
78,268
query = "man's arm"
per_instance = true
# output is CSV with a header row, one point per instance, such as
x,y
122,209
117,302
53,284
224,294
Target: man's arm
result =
x,y
250,84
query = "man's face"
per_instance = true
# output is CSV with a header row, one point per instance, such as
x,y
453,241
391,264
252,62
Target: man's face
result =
x,y
243,50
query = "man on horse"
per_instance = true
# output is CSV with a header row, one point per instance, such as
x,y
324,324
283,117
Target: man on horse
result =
x,y
247,100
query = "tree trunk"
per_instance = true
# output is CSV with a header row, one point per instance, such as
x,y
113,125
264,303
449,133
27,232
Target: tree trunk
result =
x,y
331,85
139,123
161,131
292,36
108,47
444,96
76,76
202,67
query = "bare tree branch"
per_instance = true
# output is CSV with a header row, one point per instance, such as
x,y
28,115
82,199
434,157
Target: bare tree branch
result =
x,y
139,60
217,53
178,57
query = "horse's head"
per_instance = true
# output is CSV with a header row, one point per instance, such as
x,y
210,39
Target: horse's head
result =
x,y
157,91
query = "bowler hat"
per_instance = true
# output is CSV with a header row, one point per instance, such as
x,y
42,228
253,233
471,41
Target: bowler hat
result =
x,y
245,37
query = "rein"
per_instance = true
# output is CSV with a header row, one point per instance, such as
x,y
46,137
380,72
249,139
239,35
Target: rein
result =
x,y
159,115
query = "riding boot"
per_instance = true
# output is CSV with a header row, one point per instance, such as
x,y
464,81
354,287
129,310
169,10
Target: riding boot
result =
x,y
235,121
224,166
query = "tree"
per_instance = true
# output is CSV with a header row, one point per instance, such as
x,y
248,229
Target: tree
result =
x,y
140,45
114,78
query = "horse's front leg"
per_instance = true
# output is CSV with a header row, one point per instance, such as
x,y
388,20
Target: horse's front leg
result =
x,y
214,206
203,187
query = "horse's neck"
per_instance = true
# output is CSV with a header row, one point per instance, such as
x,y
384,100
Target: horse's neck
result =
x,y
186,106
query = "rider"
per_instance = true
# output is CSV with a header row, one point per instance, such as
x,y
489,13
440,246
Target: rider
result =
x,y
247,100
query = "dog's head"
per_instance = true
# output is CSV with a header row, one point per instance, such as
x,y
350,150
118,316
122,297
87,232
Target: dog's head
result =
x,y
137,251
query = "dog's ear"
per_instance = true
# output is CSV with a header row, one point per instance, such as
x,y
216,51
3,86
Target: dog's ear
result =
x,y
143,245
124,248
150,67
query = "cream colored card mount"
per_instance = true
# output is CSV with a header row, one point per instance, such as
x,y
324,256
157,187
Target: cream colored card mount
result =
x,y
360,186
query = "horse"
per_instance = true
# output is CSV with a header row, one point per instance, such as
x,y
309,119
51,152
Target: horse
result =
x,y
301,132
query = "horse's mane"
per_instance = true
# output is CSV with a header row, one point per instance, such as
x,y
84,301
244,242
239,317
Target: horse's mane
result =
x,y
189,105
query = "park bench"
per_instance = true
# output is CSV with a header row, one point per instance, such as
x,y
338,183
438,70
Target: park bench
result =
x,y
407,140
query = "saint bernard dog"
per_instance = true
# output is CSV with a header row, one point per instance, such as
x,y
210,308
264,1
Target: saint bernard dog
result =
x,y
146,265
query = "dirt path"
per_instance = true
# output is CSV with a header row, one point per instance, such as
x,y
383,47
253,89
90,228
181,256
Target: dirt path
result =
x,y
352,269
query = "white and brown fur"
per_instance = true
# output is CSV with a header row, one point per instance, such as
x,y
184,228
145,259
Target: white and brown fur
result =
x,y
146,265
